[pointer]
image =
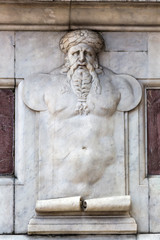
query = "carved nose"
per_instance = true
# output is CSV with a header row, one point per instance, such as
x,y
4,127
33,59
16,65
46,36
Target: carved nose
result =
x,y
81,58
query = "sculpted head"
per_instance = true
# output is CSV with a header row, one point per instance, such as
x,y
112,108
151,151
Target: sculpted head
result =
x,y
90,38
81,47
82,54
81,64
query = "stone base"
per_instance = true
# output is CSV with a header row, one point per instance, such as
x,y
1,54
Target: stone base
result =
x,y
82,225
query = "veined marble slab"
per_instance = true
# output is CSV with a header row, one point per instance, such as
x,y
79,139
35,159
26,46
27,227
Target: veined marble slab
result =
x,y
7,54
33,55
82,225
36,57
153,55
125,41
132,63
6,209
81,237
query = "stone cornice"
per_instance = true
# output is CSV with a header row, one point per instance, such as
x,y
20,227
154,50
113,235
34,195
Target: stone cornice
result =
x,y
102,16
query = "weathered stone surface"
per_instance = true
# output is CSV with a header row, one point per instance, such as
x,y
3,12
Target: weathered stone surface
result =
x,y
138,192
72,204
29,14
26,189
6,209
7,54
25,171
37,52
86,172
153,55
154,204
125,41
100,15
132,63
130,60
80,94
82,225
114,16
148,237
36,56
91,237
77,204
6,131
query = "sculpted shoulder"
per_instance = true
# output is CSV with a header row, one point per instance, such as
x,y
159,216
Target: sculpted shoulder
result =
x,y
37,85
107,76
56,72
57,77
127,86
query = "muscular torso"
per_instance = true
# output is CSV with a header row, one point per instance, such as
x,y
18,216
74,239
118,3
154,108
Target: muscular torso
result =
x,y
83,144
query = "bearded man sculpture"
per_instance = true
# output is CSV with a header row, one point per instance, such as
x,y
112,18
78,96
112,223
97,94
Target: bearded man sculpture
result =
x,y
81,121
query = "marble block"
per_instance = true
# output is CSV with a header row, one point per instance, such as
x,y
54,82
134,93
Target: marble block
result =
x,y
71,237
73,215
153,55
7,54
74,169
76,142
125,41
148,236
37,56
6,209
154,204
132,63
26,183
138,191
82,225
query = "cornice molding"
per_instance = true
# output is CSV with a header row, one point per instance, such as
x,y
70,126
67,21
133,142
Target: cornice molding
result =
x,y
102,16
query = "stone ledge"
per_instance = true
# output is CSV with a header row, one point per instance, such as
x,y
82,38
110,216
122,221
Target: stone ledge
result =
x,y
107,1
106,16
82,237
82,225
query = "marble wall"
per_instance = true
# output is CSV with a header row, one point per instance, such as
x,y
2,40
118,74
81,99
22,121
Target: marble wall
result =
x,y
25,53
92,237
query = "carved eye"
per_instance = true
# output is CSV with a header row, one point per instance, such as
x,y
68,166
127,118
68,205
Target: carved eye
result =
x,y
86,53
75,53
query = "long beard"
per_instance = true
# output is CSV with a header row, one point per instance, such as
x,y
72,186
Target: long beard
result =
x,y
81,83
81,80
92,72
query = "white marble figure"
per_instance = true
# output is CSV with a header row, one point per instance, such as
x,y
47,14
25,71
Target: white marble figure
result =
x,y
79,105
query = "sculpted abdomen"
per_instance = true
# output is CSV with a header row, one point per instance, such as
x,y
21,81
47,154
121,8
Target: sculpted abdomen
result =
x,y
83,145
87,164
86,151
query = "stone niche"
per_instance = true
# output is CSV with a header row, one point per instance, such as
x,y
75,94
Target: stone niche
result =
x,y
108,189
81,139
83,134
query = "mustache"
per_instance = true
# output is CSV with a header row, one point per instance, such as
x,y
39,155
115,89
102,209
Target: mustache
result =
x,y
92,72
75,65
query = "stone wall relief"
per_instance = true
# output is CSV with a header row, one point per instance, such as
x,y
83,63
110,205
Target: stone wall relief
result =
x,y
81,109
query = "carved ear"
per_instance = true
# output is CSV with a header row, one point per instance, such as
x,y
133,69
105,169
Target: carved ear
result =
x,y
33,91
130,90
